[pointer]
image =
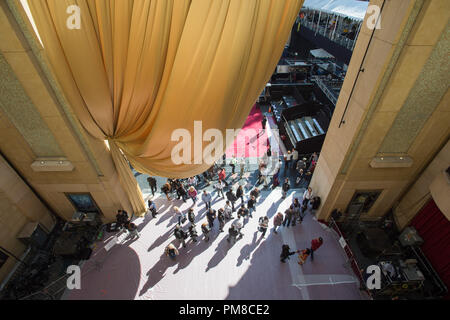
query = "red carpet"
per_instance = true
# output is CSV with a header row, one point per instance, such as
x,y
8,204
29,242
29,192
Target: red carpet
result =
x,y
247,143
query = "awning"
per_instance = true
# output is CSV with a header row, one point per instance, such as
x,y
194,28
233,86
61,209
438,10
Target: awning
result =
x,y
353,9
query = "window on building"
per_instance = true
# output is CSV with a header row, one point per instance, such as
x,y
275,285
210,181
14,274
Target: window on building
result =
x,y
362,201
83,202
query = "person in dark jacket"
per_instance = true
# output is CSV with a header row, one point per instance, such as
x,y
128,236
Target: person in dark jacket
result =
x,y
263,122
180,235
211,215
152,208
193,233
191,216
181,192
255,193
205,230
285,253
288,216
221,218
233,233
232,198
152,184
242,212
240,194
285,188
251,204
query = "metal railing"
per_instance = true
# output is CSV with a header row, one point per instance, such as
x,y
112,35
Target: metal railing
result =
x,y
327,33
351,257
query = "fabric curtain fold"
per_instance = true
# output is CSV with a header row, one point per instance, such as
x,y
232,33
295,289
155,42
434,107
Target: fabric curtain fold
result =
x,y
135,71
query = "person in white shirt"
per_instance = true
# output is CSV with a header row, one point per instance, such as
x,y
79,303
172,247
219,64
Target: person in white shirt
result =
x,y
287,159
180,215
307,195
233,164
294,157
228,209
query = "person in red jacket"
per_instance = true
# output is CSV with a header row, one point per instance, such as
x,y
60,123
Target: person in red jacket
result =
x,y
222,176
315,244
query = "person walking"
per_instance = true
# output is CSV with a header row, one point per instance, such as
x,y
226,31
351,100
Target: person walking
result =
x,y
166,188
192,182
315,244
193,233
232,234
192,194
251,204
152,208
285,253
233,164
263,225
242,212
132,229
263,122
288,216
255,193
191,216
303,255
211,215
285,188
300,176
307,195
219,188
221,218
152,184
222,176
171,251
294,158
296,210
228,210
180,235
242,166
205,230
232,198
277,221
240,194
180,215
287,160
181,192
206,197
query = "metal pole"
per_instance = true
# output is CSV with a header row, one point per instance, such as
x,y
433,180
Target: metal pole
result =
x,y
318,22
335,24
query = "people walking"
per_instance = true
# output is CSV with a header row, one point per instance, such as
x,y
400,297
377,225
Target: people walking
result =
x,y
205,230
166,188
315,244
180,235
288,216
232,234
228,210
191,216
211,215
152,208
180,215
286,252
192,194
206,197
222,176
232,198
221,218
263,225
193,233
152,184
285,188
277,221
287,160
242,212
255,193
219,188
181,192
296,209
233,164
251,204
240,194
171,251
294,158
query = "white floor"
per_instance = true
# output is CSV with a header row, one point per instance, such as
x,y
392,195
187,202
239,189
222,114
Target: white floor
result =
x,y
250,269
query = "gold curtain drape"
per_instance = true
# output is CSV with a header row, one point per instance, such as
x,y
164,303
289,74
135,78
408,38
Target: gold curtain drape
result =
x,y
136,70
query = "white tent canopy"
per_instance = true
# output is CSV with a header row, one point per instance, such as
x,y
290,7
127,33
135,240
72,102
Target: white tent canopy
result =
x,y
354,9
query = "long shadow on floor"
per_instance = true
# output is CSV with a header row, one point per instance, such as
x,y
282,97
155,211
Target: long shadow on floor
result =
x,y
221,251
157,272
248,249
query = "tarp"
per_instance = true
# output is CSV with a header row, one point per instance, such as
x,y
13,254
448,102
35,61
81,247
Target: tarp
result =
x,y
321,54
349,8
